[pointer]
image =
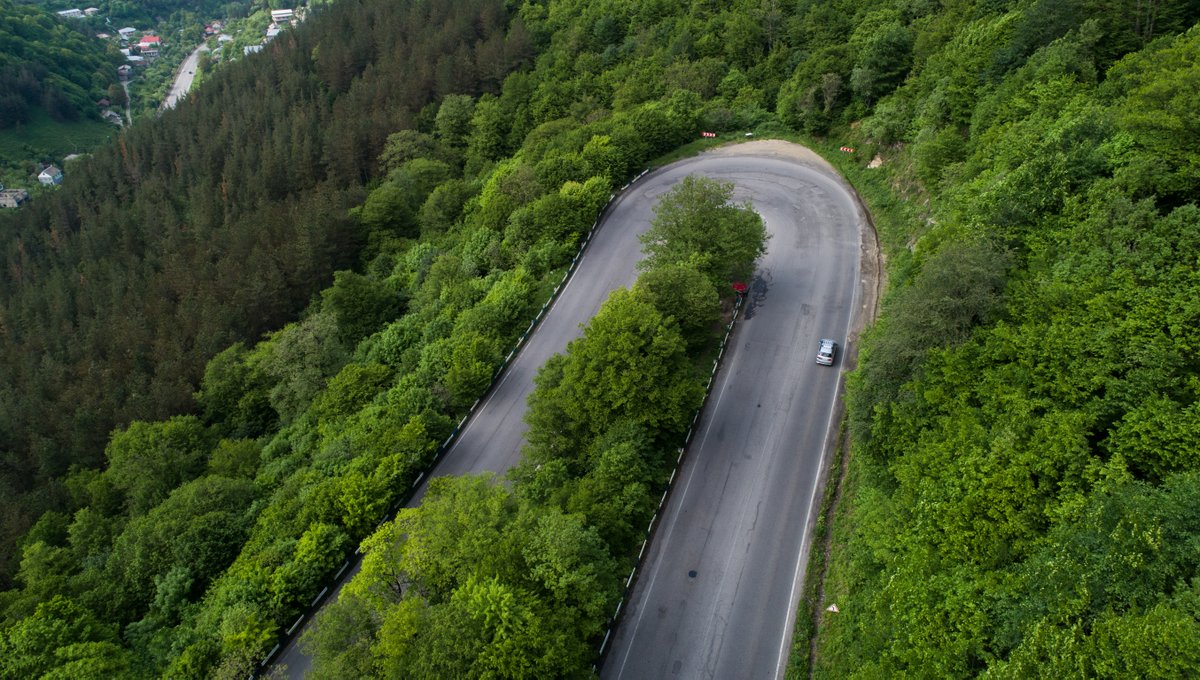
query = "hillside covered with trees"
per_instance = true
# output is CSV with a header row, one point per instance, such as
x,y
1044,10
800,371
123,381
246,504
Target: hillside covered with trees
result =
x,y
1026,439
389,193
47,63
216,223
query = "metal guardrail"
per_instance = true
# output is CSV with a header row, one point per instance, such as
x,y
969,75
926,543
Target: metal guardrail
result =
x,y
289,636
662,502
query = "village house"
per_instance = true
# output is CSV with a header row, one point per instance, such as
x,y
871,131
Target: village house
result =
x,y
13,198
50,176
91,11
127,32
279,16
149,46
71,14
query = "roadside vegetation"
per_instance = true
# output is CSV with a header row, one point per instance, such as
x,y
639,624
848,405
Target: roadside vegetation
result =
x,y
236,335
1024,422
519,580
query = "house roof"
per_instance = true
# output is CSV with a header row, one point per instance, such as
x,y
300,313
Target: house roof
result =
x,y
16,196
50,171
147,39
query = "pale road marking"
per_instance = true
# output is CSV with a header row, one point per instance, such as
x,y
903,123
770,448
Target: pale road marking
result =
x,y
515,354
789,621
471,421
674,519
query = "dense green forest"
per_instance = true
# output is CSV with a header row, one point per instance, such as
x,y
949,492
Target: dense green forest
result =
x,y
218,222
390,191
1026,439
49,64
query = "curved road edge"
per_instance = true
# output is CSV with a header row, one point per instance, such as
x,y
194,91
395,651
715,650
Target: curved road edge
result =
x,y
513,411
709,654
872,280
286,657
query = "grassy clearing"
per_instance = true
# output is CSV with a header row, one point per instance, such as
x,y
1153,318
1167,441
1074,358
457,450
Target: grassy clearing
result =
x,y
46,139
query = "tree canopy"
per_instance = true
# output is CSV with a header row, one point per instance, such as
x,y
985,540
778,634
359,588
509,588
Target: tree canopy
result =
x,y
236,335
696,224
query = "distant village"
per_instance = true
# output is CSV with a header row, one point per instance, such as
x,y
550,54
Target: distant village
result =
x,y
141,49
280,18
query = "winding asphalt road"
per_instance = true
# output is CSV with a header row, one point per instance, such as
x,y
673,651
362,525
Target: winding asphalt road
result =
x,y
740,512
717,593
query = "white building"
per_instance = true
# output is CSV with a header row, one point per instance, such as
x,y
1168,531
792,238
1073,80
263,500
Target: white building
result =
x,y
71,14
50,176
